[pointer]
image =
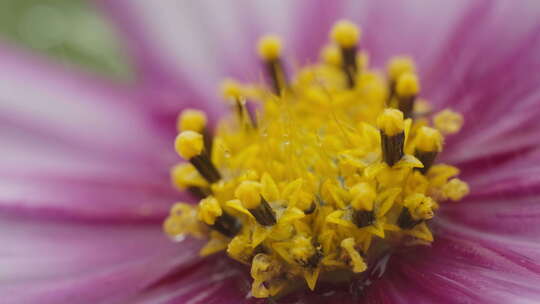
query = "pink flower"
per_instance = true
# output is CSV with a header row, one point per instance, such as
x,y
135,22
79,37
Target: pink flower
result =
x,y
84,179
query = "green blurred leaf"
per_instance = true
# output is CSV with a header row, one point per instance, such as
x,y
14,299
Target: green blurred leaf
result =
x,y
69,30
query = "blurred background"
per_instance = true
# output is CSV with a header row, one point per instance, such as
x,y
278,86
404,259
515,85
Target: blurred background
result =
x,y
70,31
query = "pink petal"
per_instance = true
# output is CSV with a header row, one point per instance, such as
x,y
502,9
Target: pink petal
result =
x,y
516,217
312,26
212,280
466,266
498,94
503,197
74,111
171,38
77,147
78,196
68,262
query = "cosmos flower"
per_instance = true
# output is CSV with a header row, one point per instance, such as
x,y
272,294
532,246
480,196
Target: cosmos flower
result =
x,y
85,185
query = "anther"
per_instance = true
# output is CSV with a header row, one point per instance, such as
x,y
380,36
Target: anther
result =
x,y
210,212
269,48
346,35
405,220
195,120
192,120
448,121
391,126
304,252
396,67
264,270
428,145
331,55
306,202
358,264
231,90
416,209
362,203
311,208
455,189
183,220
249,193
185,176
407,89
190,146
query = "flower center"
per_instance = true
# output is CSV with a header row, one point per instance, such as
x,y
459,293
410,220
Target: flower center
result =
x,y
319,173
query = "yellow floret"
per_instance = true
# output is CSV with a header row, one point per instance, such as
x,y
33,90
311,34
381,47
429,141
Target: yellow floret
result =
x,y
407,85
448,121
192,120
230,89
249,193
185,175
345,33
331,55
209,210
270,47
363,196
455,189
399,65
391,122
429,140
189,144
356,259
183,220
420,206
302,249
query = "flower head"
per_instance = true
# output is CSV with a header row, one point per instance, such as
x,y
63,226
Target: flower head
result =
x,y
333,171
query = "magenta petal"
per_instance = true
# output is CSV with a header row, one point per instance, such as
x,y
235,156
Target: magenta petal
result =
x,y
87,197
76,147
516,217
465,266
68,262
168,39
212,280
498,94
63,110
312,27
514,177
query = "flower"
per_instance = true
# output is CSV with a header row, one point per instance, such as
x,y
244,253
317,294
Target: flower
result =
x,y
85,163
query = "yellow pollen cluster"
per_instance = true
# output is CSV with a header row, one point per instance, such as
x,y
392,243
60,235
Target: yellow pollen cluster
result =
x,y
323,172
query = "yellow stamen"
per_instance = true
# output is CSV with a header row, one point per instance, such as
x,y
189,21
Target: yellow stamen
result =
x,y
448,121
183,220
192,120
455,189
420,206
398,66
249,193
189,144
345,34
270,47
363,196
185,175
407,85
429,140
302,249
209,210
391,122
231,90
331,55
358,264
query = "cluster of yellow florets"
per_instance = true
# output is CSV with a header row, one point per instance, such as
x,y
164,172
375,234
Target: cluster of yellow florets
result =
x,y
330,168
